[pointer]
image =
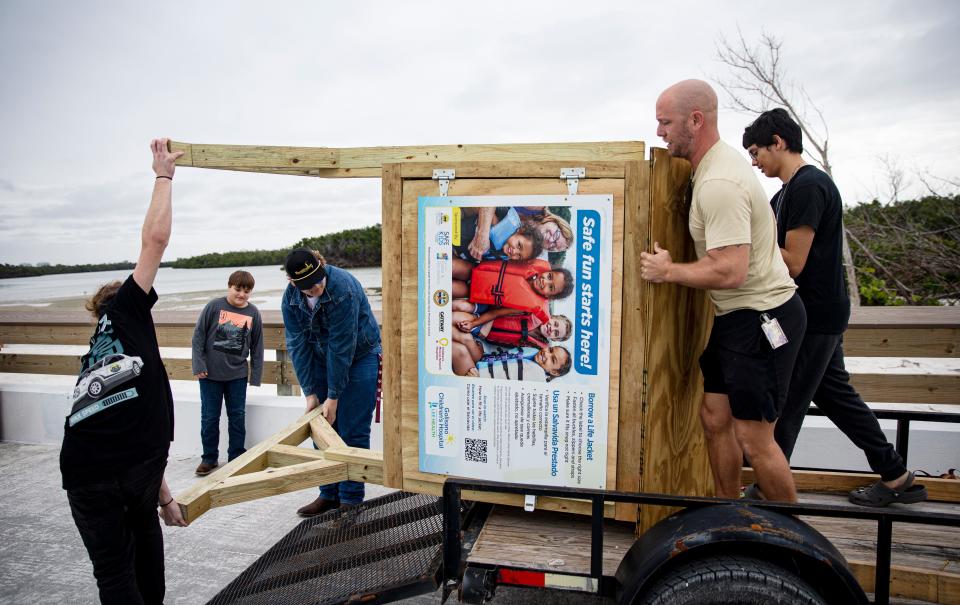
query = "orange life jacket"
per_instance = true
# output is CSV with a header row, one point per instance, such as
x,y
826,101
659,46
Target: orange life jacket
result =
x,y
504,284
516,331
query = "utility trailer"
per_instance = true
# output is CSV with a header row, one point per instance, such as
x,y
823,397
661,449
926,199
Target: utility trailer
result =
x,y
653,518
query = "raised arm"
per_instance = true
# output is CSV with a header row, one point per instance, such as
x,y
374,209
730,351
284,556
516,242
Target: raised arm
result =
x,y
156,225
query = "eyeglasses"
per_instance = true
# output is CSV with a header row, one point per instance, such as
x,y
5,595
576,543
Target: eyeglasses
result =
x,y
554,240
756,151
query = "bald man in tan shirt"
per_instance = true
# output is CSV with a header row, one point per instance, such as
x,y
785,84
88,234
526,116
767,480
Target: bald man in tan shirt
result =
x,y
746,372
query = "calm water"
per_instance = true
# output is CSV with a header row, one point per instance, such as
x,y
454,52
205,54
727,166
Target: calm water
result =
x,y
179,289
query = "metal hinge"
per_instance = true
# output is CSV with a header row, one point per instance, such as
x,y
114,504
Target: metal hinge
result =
x,y
444,175
573,176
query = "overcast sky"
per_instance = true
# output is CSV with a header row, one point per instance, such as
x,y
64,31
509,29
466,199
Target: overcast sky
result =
x,y
86,85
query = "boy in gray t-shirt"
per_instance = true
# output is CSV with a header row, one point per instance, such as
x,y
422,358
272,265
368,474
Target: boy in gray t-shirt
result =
x,y
228,331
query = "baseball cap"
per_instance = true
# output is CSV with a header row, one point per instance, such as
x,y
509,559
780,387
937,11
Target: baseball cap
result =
x,y
303,269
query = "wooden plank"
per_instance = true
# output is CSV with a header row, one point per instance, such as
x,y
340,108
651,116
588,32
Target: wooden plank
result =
x,y
69,365
286,455
616,327
362,465
196,500
938,490
547,541
908,388
673,458
274,481
323,434
633,335
301,160
513,170
433,484
901,342
936,338
877,388
905,317
613,151
239,157
392,269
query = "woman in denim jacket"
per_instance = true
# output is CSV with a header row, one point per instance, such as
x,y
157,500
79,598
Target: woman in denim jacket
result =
x,y
334,342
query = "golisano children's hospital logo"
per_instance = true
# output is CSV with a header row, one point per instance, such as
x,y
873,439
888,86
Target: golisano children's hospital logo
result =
x,y
441,298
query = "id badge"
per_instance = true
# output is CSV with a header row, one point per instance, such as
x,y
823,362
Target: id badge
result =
x,y
772,330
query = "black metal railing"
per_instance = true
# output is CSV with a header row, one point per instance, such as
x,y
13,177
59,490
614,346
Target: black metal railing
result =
x,y
885,518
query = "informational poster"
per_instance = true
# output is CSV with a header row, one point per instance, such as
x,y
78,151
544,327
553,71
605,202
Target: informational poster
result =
x,y
514,334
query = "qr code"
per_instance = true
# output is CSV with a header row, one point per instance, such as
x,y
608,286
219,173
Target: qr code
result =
x,y
443,238
475,449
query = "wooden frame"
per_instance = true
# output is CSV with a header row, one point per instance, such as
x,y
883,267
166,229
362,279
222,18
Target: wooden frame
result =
x,y
654,427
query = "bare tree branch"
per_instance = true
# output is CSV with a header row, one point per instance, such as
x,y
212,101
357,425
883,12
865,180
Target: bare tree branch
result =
x,y
756,83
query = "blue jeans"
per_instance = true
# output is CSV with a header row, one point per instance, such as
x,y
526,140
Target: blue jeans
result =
x,y
354,415
212,394
117,520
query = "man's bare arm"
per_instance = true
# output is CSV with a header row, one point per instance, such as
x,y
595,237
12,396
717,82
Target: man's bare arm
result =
x,y
157,224
796,248
722,268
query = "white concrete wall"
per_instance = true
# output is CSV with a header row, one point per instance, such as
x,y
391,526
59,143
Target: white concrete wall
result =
x,y
34,413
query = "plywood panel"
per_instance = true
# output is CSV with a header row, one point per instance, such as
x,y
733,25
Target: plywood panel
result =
x,y
673,457
412,189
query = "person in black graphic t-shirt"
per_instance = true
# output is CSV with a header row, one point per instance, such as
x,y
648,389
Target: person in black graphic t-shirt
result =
x,y
809,216
117,436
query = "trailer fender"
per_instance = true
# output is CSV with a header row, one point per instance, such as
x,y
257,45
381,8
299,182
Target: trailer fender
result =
x,y
728,529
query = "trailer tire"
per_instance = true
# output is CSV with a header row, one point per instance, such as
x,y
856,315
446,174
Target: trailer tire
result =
x,y
734,580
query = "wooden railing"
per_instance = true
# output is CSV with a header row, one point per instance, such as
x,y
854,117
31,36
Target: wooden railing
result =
x,y
873,332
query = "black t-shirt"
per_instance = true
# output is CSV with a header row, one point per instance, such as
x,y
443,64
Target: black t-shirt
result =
x,y
131,403
810,198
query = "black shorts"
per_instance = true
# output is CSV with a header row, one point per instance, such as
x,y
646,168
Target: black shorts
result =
x,y
739,362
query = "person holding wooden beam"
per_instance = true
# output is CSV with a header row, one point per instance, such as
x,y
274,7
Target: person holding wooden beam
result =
x,y
117,437
809,215
334,342
760,320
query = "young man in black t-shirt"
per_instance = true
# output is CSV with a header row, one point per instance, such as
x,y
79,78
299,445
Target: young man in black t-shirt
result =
x,y
118,433
809,214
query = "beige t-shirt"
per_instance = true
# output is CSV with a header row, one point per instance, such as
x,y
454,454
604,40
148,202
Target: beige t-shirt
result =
x,y
730,207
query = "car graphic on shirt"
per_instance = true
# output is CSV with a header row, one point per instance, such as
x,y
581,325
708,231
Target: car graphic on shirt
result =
x,y
104,375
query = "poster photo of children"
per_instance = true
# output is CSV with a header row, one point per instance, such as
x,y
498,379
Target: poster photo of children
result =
x,y
513,312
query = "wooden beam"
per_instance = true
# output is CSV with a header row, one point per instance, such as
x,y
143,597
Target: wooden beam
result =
x,y
908,388
633,336
274,481
890,341
433,484
196,499
286,455
510,170
392,267
939,490
367,161
323,434
362,465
